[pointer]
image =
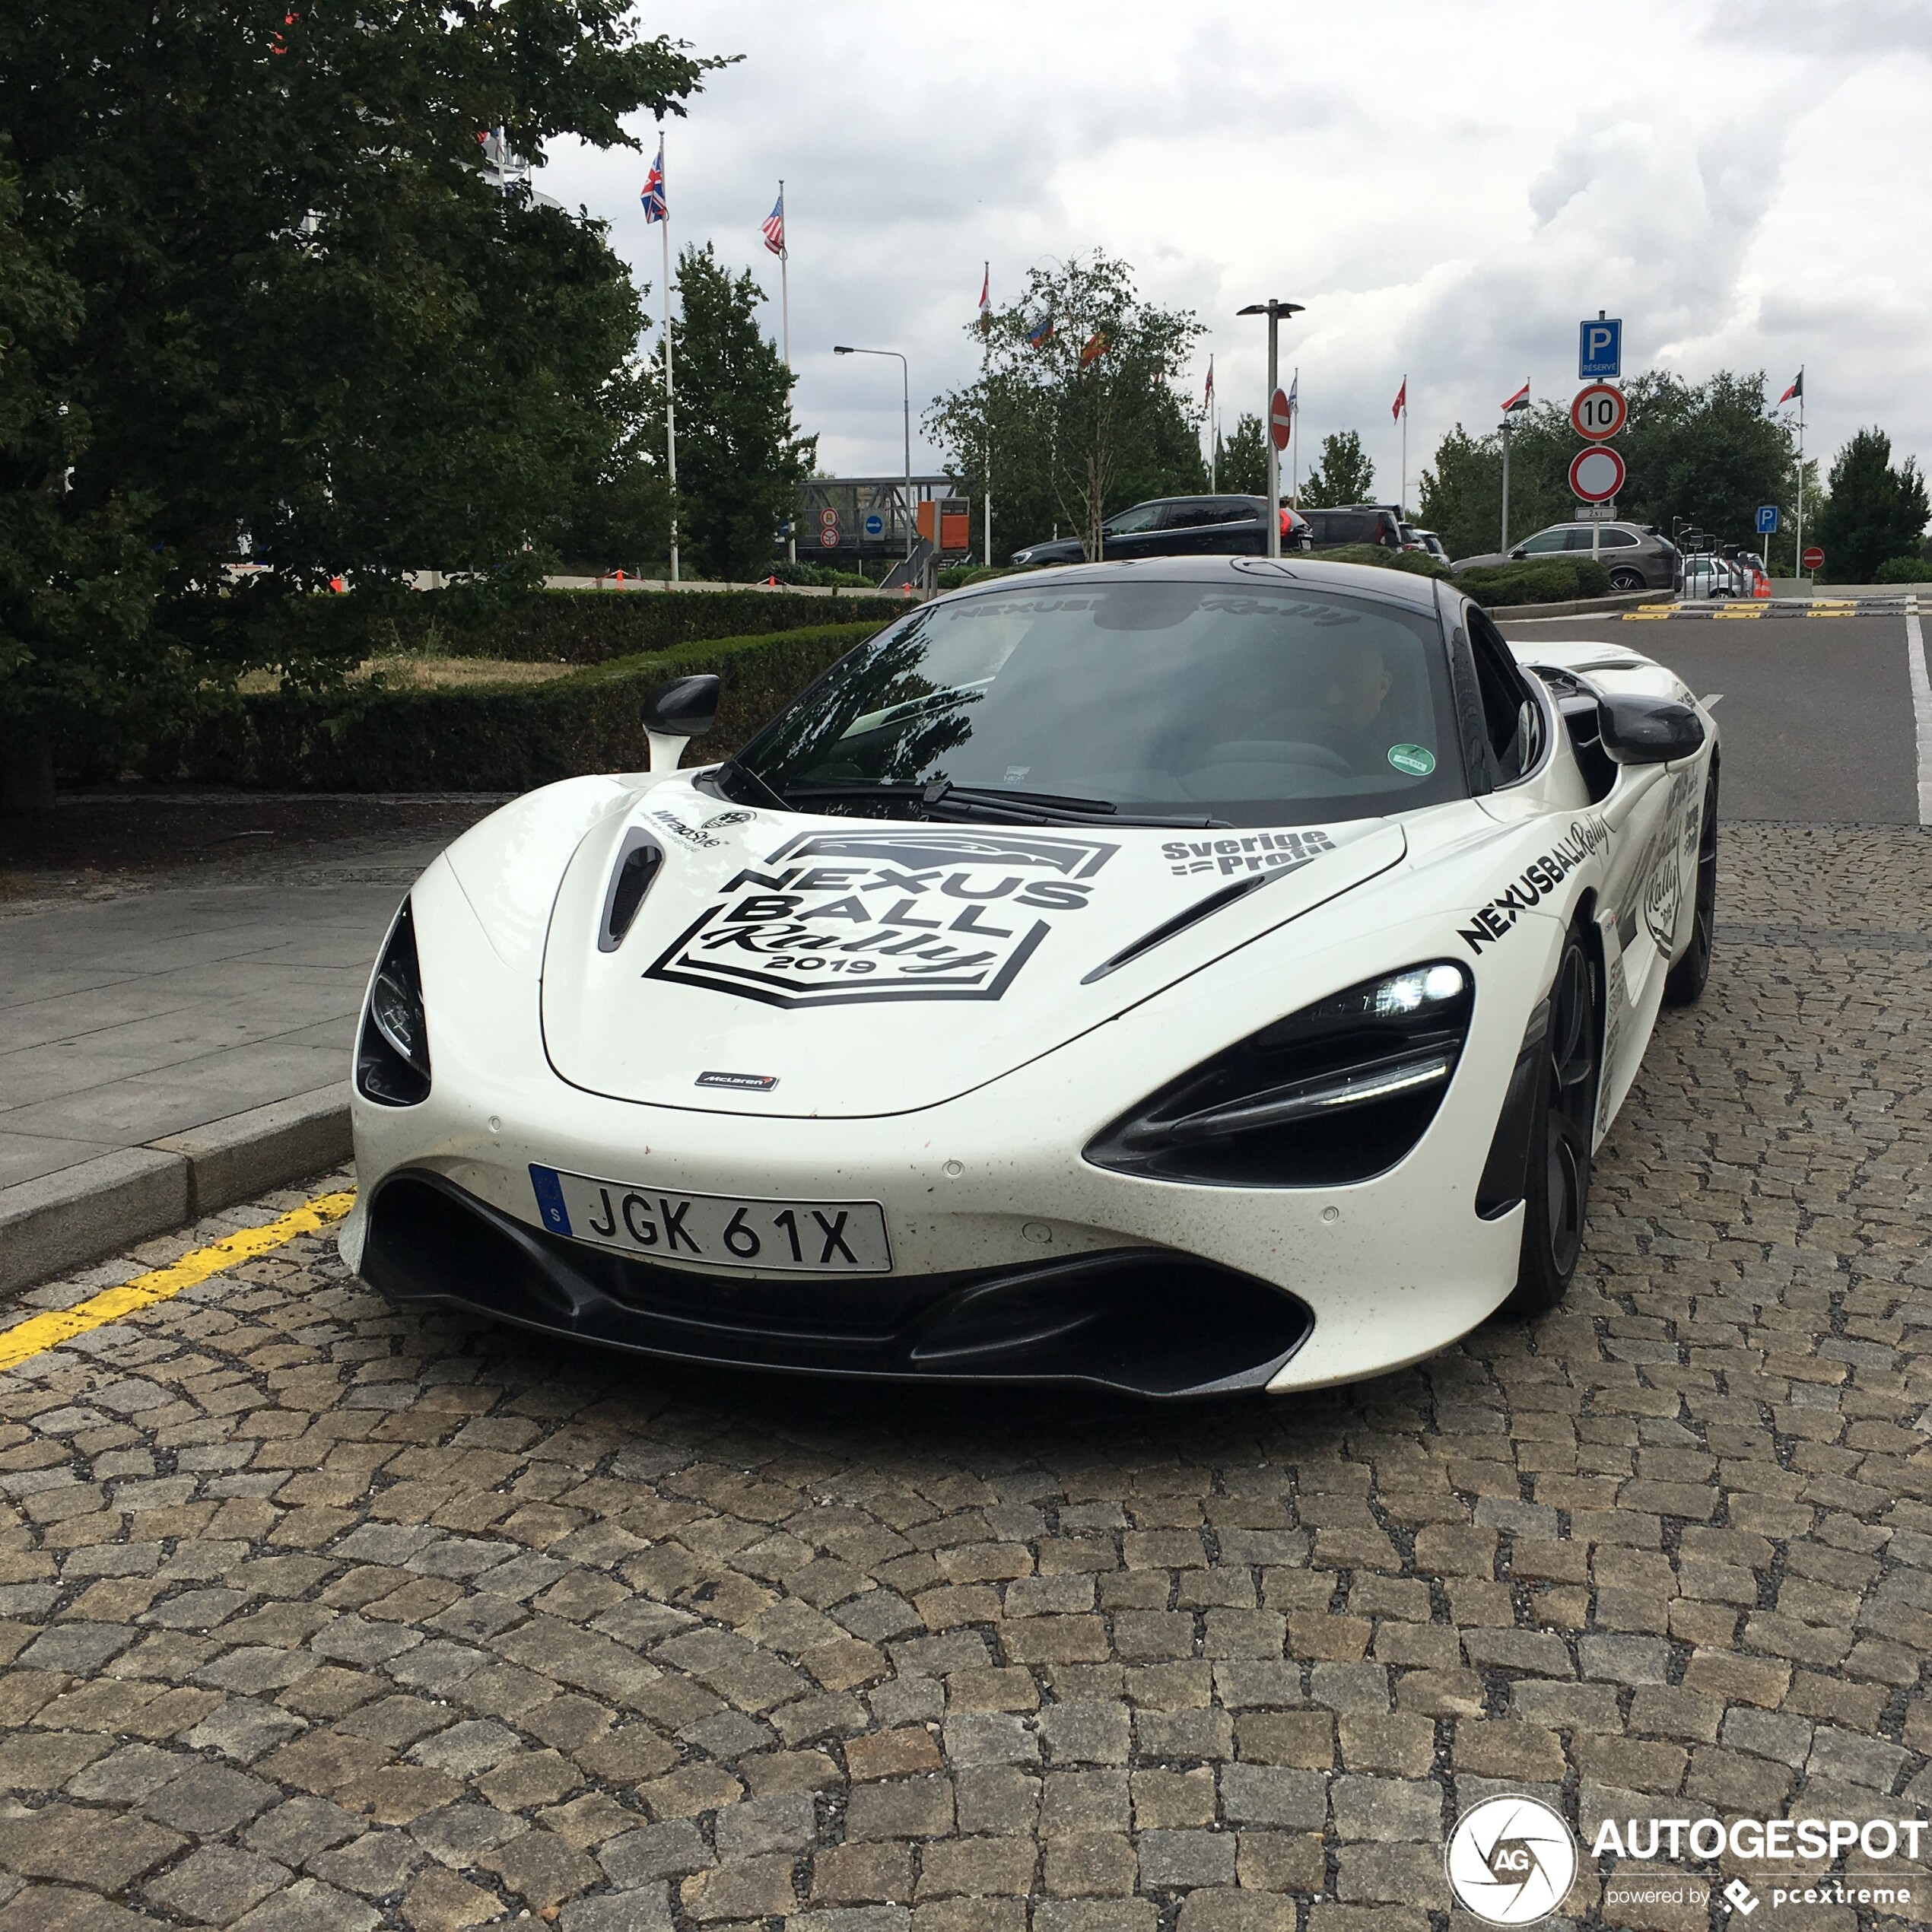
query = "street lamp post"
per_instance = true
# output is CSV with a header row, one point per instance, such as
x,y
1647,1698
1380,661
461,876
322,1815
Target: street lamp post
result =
x,y
905,378
1274,311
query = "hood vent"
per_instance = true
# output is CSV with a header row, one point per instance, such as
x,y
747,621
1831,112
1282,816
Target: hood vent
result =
x,y
1201,909
639,859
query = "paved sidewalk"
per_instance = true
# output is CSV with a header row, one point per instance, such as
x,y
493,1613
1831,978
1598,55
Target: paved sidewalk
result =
x,y
124,1022
173,1043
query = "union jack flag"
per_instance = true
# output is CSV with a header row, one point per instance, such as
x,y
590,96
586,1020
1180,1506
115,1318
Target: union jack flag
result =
x,y
655,209
774,226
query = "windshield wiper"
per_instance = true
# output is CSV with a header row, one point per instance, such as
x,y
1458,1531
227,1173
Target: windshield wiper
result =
x,y
1020,808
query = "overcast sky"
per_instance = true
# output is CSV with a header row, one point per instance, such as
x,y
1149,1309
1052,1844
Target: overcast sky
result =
x,y
1448,184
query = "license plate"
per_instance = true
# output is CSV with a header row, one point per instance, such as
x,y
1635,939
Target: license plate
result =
x,y
721,1231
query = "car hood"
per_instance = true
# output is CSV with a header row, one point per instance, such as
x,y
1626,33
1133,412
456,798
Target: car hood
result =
x,y
787,964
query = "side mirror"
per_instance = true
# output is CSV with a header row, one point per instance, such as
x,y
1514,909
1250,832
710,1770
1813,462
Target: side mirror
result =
x,y
675,711
1517,554
1648,730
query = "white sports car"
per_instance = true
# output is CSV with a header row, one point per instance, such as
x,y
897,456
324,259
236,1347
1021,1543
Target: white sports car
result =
x,y
1203,974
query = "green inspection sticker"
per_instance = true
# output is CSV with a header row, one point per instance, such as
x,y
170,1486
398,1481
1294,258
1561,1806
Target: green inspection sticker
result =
x,y
1417,761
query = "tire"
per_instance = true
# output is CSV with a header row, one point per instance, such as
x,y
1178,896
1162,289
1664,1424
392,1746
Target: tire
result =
x,y
1556,1189
1683,985
1628,580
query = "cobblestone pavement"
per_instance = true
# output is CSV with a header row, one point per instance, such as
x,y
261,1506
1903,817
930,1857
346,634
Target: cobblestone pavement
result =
x,y
319,1618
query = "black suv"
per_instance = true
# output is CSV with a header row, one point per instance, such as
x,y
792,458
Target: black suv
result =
x,y
1356,522
1179,526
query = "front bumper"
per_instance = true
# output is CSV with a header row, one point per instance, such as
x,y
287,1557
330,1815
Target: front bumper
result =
x,y
985,1191
1141,1321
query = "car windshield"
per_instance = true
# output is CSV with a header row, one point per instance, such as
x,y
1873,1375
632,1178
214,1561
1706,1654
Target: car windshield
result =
x,y
1261,705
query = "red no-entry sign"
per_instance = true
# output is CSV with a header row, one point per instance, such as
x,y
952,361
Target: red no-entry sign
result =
x,y
1281,420
1814,558
1596,474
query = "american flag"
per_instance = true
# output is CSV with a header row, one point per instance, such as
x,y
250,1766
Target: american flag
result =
x,y
652,193
774,226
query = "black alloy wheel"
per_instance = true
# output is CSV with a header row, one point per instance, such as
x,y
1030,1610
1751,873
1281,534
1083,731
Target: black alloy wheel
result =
x,y
1557,1185
1683,986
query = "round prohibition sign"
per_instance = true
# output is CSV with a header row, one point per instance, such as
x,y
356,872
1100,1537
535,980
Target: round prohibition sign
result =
x,y
1599,411
1596,474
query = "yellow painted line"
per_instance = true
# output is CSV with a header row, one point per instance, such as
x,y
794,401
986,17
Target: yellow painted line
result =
x,y
1647,616
1737,611
41,1332
1849,610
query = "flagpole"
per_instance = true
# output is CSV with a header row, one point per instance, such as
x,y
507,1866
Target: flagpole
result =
x,y
1797,561
670,408
1402,507
1504,544
1295,429
985,350
785,325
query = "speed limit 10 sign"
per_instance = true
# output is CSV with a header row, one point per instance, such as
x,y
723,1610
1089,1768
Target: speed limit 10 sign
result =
x,y
1599,412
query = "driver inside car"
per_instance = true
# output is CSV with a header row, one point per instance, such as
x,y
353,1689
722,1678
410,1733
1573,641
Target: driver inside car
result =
x,y
1341,706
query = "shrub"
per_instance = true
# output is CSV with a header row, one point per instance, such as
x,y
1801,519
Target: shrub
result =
x,y
1547,580
1418,562
1903,570
593,627
491,738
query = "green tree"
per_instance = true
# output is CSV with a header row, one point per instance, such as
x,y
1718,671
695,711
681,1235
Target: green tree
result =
x,y
1077,425
296,310
1875,512
1705,454
1243,464
1343,475
740,457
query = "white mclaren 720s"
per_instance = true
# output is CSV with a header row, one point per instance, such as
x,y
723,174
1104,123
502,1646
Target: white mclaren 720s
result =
x,y
1194,975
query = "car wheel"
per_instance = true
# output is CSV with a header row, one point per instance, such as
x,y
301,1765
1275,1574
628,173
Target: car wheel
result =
x,y
1627,581
1556,1194
1683,986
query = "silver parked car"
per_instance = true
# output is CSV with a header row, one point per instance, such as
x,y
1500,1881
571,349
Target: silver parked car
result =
x,y
1636,558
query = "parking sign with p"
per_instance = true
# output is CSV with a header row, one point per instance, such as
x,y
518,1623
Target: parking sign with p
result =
x,y
1599,347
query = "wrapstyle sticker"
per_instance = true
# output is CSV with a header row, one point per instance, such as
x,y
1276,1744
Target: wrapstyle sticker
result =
x,y
835,918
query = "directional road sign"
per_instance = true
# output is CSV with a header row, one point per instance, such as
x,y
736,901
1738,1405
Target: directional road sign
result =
x,y
1767,519
875,524
1596,474
1814,558
1599,347
1281,420
1599,412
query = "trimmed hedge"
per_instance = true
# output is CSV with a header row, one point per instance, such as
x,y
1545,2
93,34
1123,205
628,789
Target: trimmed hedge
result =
x,y
594,626
1416,562
1547,580
493,738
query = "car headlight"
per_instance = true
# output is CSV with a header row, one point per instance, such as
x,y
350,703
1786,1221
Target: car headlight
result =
x,y
391,1054
1022,556
1337,1092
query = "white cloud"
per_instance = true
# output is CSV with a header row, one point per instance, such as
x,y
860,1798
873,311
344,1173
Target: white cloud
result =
x,y
1449,188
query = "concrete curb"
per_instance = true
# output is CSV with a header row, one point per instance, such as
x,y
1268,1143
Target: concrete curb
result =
x,y
77,1215
1621,600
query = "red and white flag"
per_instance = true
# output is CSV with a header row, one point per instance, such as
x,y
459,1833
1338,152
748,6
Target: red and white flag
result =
x,y
1400,407
774,225
985,299
1521,400
1207,395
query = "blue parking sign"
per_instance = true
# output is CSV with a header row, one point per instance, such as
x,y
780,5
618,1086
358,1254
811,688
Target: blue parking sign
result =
x,y
1767,519
1599,347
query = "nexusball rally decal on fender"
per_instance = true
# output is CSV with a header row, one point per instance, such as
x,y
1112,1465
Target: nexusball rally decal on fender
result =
x,y
1540,876
833,918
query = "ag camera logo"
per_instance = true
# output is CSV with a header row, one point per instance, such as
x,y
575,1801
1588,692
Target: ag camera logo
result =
x,y
1511,1861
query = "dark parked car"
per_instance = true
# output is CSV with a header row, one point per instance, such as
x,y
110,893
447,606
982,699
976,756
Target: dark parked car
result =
x,y
1178,526
1356,522
1636,558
